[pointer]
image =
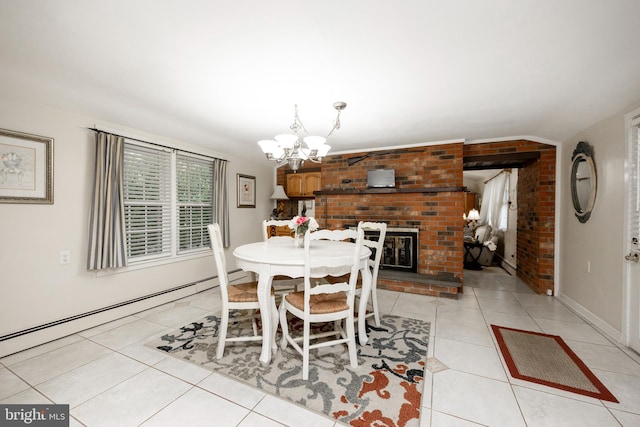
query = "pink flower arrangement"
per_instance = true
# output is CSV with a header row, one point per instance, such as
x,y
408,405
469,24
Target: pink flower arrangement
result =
x,y
300,224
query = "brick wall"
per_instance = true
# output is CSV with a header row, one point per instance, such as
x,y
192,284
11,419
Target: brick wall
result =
x,y
434,166
528,223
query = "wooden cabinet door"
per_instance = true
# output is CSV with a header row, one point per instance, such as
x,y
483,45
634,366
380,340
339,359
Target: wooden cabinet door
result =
x,y
469,202
311,183
295,185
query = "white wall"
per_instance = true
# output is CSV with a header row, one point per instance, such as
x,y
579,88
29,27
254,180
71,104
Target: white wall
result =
x,y
598,294
35,288
474,185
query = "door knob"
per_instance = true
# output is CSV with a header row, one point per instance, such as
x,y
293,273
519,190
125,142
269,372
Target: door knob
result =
x,y
633,256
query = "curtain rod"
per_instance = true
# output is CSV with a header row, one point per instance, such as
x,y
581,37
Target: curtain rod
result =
x,y
156,144
498,174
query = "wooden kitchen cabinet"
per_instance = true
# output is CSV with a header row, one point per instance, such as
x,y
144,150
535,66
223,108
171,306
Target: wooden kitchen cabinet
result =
x,y
294,185
303,184
311,183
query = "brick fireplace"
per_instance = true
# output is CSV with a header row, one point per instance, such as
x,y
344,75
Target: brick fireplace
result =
x,y
428,197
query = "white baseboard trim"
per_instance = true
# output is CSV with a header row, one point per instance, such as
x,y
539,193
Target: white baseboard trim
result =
x,y
511,269
62,328
602,326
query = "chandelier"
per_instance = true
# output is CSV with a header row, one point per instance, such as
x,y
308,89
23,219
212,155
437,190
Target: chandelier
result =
x,y
288,148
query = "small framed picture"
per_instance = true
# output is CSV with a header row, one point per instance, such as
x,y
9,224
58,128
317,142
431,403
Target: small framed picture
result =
x,y
26,168
246,191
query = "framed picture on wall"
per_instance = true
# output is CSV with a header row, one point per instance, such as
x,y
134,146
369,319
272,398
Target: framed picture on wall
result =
x,y
246,191
26,168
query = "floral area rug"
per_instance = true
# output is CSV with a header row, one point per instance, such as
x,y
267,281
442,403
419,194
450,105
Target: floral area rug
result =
x,y
385,389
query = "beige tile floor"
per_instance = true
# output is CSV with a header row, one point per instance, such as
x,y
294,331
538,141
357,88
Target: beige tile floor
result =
x,y
109,378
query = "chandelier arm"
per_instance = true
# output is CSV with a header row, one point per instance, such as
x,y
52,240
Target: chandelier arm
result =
x,y
284,157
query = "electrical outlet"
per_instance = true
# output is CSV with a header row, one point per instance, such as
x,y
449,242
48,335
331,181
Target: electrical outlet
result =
x,y
65,257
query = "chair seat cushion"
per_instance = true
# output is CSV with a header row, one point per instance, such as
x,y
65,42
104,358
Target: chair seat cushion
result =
x,y
320,303
243,292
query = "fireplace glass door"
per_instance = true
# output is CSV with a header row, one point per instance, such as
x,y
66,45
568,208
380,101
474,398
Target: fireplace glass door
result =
x,y
400,250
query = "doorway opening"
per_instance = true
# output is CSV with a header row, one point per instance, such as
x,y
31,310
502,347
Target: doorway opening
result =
x,y
535,202
498,236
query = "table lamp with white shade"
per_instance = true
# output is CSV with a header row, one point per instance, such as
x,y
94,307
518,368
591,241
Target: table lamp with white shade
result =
x,y
472,219
280,196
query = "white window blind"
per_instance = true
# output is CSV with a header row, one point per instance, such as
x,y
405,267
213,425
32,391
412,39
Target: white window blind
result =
x,y
168,202
147,202
194,195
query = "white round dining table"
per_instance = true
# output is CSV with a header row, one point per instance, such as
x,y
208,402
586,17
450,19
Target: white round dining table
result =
x,y
279,256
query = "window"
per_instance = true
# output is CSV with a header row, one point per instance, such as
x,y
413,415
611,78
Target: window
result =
x,y
194,182
168,202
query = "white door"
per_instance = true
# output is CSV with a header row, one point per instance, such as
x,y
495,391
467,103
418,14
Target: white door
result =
x,y
632,246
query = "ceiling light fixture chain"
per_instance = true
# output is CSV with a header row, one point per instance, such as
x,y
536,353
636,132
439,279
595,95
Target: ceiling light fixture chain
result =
x,y
336,123
291,149
297,123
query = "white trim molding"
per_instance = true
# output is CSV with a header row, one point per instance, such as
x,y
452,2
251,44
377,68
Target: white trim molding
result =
x,y
602,326
42,334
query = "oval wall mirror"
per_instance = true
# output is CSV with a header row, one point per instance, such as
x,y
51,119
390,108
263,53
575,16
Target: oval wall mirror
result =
x,y
583,181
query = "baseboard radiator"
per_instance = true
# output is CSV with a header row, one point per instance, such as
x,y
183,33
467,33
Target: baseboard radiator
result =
x,y
506,265
36,335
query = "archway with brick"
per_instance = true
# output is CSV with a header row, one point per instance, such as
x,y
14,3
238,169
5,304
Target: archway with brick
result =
x,y
536,163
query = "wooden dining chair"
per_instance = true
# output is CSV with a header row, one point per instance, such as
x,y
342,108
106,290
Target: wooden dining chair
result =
x,y
324,302
377,247
276,228
243,296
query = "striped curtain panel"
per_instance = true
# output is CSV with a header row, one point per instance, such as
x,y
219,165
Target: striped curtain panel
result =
x,y
221,199
107,242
